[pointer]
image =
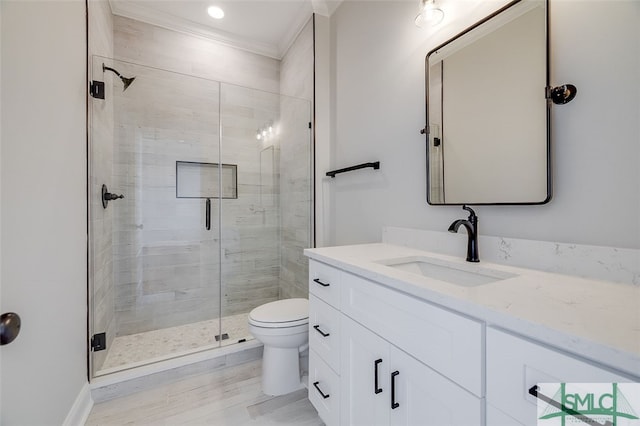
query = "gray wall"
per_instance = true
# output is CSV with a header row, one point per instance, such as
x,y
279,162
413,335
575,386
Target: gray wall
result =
x,y
378,108
43,198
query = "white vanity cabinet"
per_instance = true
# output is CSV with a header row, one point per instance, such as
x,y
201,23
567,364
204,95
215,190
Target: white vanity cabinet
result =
x,y
365,380
381,385
324,341
515,364
427,369
407,349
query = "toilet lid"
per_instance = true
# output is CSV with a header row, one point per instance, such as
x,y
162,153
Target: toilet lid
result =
x,y
281,313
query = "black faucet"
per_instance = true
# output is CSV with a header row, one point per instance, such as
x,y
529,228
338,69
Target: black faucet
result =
x,y
471,223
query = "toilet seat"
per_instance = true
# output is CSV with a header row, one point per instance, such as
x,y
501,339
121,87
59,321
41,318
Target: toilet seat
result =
x,y
281,314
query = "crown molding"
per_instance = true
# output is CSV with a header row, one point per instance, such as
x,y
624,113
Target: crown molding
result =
x,y
295,29
325,7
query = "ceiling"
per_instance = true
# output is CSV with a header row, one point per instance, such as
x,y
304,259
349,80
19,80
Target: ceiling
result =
x,y
267,27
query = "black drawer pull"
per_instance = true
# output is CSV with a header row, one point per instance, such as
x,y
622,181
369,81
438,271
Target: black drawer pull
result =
x,y
315,385
317,280
376,389
394,404
317,327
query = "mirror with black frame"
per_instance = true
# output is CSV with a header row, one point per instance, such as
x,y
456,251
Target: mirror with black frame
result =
x,y
487,130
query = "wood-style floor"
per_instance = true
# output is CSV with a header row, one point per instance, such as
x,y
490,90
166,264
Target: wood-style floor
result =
x,y
229,396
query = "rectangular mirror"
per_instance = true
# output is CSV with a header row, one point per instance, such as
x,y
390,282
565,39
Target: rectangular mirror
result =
x,y
487,111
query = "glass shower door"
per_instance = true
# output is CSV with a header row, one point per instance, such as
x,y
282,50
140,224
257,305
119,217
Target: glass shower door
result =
x,y
266,228
155,253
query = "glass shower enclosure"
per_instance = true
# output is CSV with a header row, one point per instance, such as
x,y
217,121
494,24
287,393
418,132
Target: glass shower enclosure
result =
x,y
200,206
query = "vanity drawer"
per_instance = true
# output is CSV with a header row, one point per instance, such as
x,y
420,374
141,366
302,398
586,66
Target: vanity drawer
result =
x,y
324,282
514,365
324,390
448,343
324,332
496,417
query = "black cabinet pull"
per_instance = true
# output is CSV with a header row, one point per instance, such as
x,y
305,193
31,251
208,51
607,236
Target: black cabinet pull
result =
x,y
317,327
376,389
394,404
317,280
315,385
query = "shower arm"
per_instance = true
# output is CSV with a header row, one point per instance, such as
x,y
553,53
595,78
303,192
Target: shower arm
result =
x,y
106,68
125,80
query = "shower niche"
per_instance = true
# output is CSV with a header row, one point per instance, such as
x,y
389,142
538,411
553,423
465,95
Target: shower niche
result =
x,y
206,180
210,214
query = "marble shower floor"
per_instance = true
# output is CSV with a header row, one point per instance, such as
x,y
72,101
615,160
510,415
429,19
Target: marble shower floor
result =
x,y
151,346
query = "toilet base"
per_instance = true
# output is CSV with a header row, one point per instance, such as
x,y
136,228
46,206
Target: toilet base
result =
x,y
280,370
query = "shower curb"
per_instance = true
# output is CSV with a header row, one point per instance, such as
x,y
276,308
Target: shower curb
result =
x,y
147,377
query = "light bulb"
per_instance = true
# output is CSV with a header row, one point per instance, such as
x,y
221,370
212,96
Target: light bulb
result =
x,y
215,12
429,14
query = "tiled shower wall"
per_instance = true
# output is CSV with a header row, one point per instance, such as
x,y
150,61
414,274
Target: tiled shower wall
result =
x,y
197,293
167,265
296,80
165,261
250,224
101,296
154,265
161,48
168,273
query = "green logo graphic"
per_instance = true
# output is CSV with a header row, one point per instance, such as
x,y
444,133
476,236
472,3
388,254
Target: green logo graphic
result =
x,y
597,406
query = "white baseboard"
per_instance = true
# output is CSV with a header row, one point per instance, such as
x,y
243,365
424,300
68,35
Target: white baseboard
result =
x,y
81,408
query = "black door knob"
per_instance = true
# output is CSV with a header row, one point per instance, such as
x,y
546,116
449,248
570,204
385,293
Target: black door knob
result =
x,y
9,327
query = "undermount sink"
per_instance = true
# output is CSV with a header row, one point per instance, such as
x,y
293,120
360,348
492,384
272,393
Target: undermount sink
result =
x,y
453,273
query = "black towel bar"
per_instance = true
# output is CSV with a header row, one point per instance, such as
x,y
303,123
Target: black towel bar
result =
x,y
375,165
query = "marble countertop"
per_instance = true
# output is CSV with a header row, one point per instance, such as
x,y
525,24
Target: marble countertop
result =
x,y
597,320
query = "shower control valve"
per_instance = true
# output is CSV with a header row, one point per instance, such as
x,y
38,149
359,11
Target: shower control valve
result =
x,y
108,196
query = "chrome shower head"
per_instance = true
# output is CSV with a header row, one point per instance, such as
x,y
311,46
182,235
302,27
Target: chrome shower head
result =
x,y
125,80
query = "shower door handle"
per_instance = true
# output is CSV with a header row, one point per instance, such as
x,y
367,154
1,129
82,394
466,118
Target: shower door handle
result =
x,y
207,213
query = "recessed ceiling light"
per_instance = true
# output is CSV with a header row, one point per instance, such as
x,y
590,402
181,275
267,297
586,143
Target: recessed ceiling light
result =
x,y
215,12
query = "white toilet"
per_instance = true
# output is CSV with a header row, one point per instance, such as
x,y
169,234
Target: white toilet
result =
x,y
283,327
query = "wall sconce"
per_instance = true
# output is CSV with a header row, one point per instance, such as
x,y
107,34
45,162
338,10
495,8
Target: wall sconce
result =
x,y
265,132
429,14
